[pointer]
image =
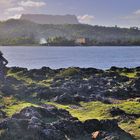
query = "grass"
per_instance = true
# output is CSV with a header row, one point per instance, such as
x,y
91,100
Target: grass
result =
x,y
7,101
21,78
129,75
132,127
10,110
91,110
130,107
69,72
99,110
29,81
46,82
83,111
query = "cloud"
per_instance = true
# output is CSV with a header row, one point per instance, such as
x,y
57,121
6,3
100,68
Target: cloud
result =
x,y
88,19
17,16
133,16
5,2
15,9
30,3
132,19
137,12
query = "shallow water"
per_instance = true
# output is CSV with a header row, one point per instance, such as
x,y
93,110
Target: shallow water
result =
x,y
62,57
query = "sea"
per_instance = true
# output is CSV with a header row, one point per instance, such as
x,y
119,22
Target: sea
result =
x,y
103,57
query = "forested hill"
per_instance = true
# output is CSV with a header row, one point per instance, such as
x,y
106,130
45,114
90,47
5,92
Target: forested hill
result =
x,y
20,32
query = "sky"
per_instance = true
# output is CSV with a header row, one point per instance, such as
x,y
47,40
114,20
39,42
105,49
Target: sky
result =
x,y
123,13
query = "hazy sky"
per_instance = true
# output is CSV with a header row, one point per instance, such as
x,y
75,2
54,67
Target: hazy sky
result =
x,y
101,12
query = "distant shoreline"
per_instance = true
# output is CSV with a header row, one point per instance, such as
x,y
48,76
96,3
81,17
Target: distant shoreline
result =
x,y
70,46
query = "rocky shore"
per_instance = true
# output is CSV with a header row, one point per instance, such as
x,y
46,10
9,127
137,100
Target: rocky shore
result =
x,y
70,104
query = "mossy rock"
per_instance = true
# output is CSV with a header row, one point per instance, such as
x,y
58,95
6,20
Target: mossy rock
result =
x,y
69,72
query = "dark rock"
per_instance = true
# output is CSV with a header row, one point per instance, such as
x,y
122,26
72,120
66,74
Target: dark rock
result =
x,y
102,135
116,112
45,94
109,125
92,125
48,122
8,90
51,134
65,98
79,98
2,114
113,68
2,106
71,128
127,70
18,69
90,71
136,84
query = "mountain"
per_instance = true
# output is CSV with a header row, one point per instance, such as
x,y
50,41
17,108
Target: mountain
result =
x,y
13,31
50,19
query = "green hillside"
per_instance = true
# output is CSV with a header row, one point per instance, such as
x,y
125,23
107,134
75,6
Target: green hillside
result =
x,y
20,32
